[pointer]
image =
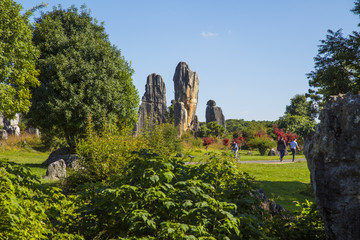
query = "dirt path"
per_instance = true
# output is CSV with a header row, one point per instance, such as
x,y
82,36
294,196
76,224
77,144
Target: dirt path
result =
x,y
258,161
273,161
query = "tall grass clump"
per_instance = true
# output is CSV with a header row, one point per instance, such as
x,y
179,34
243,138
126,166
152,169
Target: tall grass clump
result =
x,y
106,153
23,142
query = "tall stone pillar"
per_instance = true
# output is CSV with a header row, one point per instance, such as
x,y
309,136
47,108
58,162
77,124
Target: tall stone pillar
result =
x,y
186,85
153,104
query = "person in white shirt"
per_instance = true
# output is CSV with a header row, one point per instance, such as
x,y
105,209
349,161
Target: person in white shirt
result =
x,y
234,148
293,147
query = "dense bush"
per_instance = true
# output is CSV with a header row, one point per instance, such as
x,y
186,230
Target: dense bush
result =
x,y
262,143
306,224
162,198
162,139
27,213
105,154
152,198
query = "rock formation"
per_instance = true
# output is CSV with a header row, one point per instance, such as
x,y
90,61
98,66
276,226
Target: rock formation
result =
x,y
214,113
333,155
64,153
56,170
11,126
186,85
153,106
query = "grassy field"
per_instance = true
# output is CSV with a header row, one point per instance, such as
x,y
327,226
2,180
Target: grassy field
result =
x,y
199,154
285,183
29,159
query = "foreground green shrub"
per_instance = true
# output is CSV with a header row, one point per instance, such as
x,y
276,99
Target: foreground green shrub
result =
x,y
162,198
106,154
24,208
162,139
262,143
306,224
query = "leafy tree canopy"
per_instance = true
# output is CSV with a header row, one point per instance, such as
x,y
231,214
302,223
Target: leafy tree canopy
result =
x,y
301,107
301,125
17,60
82,74
337,65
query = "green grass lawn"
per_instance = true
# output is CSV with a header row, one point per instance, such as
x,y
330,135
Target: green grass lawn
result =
x,y
285,183
31,159
201,154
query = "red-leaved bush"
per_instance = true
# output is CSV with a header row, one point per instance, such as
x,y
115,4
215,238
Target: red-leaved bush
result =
x,y
207,141
288,136
240,141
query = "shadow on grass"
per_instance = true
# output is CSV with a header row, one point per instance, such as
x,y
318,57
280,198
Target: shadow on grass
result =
x,y
287,193
35,165
40,148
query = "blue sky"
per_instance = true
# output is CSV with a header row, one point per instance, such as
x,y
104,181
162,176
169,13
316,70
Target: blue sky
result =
x,y
251,56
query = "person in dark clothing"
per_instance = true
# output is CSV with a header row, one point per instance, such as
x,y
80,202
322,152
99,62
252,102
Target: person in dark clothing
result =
x,y
281,147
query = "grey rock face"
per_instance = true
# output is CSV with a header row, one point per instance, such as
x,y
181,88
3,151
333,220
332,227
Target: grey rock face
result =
x,y
186,85
269,205
273,152
11,126
214,113
333,156
56,170
153,106
34,131
3,134
71,160
1,120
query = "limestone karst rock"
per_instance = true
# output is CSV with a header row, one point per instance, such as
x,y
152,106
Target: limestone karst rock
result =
x,y
11,126
333,156
186,86
56,170
214,113
153,106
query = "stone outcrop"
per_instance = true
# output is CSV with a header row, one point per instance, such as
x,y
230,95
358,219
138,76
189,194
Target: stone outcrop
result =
x,y
214,113
11,126
273,152
56,170
3,134
333,156
186,86
269,205
71,160
153,106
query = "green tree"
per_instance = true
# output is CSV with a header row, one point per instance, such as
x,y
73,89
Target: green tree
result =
x,y
216,130
301,125
301,107
17,60
299,116
262,143
336,65
81,74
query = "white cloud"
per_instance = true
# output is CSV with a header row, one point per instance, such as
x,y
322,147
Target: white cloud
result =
x,y
209,34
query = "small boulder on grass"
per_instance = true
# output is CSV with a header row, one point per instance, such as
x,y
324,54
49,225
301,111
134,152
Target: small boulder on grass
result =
x,y
56,170
274,152
71,160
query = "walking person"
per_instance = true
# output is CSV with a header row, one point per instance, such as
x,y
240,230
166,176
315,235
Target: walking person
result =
x,y
293,147
234,148
281,147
